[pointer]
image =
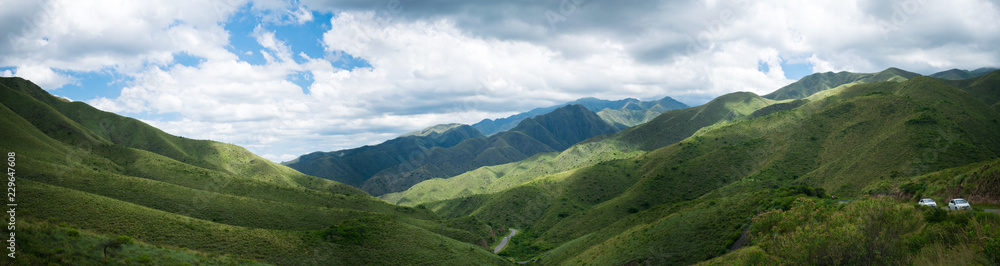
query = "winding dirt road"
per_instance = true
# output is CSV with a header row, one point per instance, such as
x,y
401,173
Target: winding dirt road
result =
x,y
503,242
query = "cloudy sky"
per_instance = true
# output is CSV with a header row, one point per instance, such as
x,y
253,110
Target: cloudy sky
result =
x,y
286,77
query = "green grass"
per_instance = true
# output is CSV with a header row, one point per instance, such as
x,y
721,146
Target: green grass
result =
x,y
45,243
869,231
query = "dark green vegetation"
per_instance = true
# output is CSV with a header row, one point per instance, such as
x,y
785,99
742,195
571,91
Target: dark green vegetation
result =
x,y
551,132
43,243
960,74
177,199
625,112
871,231
689,199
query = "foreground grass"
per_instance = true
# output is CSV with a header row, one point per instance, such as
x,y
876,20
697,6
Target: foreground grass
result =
x,y
43,243
871,231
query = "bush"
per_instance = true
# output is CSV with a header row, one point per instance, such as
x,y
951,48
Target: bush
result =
x,y
935,215
73,233
992,249
115,244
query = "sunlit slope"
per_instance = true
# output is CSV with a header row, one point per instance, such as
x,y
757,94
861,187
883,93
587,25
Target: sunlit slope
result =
x,y
81,125
814,83
242,205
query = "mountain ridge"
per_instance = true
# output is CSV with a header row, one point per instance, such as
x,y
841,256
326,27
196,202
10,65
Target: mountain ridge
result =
x,y
817,82
550,132
492,126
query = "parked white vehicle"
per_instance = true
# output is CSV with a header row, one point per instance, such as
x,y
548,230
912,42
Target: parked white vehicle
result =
x,y
928,202
959,204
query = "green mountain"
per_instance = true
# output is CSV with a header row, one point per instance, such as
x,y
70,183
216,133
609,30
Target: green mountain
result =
x,y
97,188
622,113
983,87
960,74
814,83
551,132
690,201
668,128
635,112
355,166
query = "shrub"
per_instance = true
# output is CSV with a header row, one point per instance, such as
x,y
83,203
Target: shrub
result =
x,y
935,215
73,233
992,249
115,244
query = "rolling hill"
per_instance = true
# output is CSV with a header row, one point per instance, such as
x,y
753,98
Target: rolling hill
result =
x,y
621,113
87,177
689,201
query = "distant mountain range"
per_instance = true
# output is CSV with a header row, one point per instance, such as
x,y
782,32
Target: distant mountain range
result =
x,y
355,166
621,113
960,74
397,164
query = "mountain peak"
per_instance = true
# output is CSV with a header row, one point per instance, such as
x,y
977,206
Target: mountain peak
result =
x,y
437,129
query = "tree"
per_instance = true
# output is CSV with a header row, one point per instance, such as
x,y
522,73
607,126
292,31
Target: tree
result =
x,y
114,244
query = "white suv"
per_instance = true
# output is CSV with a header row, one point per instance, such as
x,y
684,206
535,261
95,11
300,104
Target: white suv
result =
x,y
928,202
959,204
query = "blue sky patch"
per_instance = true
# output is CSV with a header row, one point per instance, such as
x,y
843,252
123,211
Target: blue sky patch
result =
x,y
795,71
92,85
186,59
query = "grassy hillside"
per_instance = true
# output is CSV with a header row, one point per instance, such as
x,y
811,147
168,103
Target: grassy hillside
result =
x,y
78,124
695,190
985,88
550,132
869,231
194,201
976,182
668,128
